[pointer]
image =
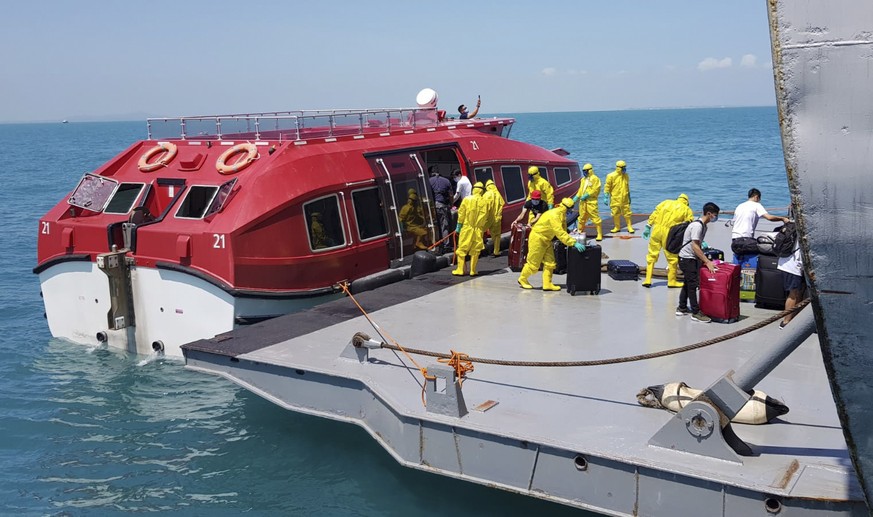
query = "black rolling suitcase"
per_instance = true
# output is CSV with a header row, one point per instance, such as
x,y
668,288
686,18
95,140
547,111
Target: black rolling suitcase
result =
x,y
560,257
583,270
622,270
769,287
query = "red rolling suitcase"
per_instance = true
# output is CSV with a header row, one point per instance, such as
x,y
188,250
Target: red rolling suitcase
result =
x,y
720,293
518,246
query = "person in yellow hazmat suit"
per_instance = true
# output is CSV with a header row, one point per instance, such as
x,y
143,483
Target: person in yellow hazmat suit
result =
x,y
667,214
495,203
472,216
589,192
539,245
412,220
317,235
618,196
537,182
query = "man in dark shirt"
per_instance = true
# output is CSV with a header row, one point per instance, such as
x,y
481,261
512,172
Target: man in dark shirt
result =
x,y
535,206
442,195
463,110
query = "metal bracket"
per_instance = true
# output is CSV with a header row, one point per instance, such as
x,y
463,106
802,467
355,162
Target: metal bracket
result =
x,y
696,429
449,402
359,347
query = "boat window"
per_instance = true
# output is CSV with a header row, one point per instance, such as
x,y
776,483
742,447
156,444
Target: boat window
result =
x,y
124,198
512,183
93,192
562,175
196,202
324,224
369,214
483,174
221,198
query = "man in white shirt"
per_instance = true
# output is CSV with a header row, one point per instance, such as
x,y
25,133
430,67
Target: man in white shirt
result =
x,y
792,280
746,217
463,187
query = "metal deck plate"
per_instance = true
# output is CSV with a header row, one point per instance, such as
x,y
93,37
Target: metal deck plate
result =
x,y
544,418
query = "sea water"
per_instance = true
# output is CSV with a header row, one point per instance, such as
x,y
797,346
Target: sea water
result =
x,y
89,431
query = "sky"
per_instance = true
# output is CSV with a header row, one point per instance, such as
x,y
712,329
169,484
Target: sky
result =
x,y
122,60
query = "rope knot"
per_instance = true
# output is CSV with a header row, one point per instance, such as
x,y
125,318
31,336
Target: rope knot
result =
x,y
461,363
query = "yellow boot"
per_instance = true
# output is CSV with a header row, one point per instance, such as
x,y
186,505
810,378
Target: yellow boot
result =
x,y
630,229
616,225
526,272
648,281
474,259
496,245
599,232
671,278
547,281
459,271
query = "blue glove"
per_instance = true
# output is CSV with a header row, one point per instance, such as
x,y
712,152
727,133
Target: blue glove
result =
x,y
704,245
402,227
551,206
585,197
458,228
576,199
647,232
606,197
579,247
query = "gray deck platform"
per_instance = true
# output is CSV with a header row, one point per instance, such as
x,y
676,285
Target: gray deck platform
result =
x,y
546,419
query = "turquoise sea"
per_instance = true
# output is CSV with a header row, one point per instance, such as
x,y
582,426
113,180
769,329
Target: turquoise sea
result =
x,y
95,432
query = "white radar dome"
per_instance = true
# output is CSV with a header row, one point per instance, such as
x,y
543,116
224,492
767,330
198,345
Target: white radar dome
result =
x,y
427,98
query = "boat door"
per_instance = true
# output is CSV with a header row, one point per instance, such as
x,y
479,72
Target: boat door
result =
x,y
409,207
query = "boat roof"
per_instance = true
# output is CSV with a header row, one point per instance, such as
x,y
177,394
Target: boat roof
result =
x,y
592,411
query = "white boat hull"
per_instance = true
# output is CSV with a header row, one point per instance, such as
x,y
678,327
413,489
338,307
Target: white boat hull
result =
x,y
170,307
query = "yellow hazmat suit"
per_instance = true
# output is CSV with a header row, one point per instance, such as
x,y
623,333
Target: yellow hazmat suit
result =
x,y
412,219
667,214
494,201
316,231
472,217
589,191
540,183
539,245
618,190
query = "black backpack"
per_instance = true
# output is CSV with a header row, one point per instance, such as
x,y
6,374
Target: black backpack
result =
x,y
676,236
785,241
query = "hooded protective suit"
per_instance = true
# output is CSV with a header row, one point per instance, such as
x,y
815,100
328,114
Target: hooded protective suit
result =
x,y
589,191
539,245
494,201
667,214
540,183
618,190
472,217
412,219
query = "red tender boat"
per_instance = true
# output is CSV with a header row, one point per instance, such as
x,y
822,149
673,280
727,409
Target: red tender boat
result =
x,y
232,219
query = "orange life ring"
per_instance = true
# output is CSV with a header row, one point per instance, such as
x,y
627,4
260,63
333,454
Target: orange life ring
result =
x,y
164,147
251,155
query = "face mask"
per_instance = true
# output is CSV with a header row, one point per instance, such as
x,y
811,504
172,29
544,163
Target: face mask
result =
x,y
531,177
714,219
535,202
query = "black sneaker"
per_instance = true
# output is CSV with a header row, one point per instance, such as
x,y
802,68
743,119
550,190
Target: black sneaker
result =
x,y
782,325
682,311
700,317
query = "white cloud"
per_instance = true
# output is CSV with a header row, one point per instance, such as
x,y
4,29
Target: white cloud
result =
x,y
712,63
573,71
549,71
749,61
